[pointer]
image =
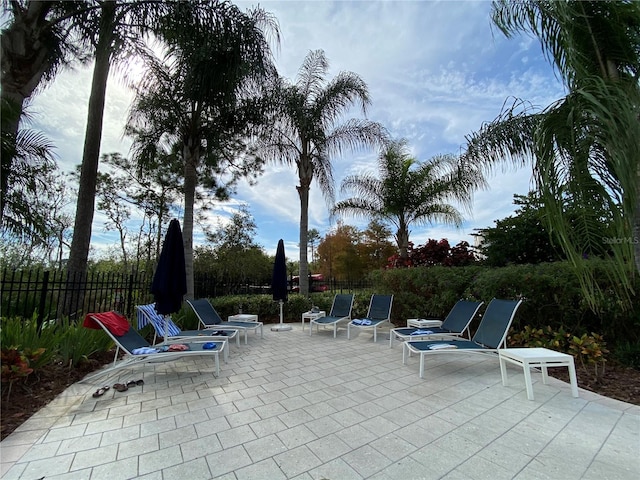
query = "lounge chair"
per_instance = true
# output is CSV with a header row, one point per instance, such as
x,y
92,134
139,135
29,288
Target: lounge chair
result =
x,y
209,318
164,327
138,350
379,313
456,324
340,312
490,336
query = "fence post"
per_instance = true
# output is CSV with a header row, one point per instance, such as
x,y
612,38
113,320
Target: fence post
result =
x,y
129,305
43,297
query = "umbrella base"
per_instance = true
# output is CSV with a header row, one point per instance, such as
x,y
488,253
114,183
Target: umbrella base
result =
x,y
280,328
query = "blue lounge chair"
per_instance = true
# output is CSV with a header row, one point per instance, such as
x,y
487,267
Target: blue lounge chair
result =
x,y
490,336
209,318
138,350
379,313
340,312
456,324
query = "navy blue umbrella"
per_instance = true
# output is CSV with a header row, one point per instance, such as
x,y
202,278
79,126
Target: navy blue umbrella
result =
x,y
170,280
279,283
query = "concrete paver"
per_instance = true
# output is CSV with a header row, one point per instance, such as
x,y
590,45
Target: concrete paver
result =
x,y
291,406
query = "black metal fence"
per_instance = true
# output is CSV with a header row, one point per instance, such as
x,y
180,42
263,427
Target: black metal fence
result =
x,y
42,292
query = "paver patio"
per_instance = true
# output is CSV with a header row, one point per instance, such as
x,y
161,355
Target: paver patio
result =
x,y
290,406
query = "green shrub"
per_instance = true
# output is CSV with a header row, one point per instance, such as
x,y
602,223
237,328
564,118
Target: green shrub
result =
x,y
628,353
551,293
589,350
16,365
77,343
24,336
545,337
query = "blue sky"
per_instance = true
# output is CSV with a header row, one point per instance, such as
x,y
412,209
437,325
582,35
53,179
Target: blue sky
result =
x,y
435,70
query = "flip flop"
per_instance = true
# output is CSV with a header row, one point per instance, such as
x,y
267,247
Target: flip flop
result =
x,y
120,387
100,391
133,383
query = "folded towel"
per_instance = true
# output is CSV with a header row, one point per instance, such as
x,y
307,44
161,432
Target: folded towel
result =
x,y
208,346
363,321
178,347
422,332
115,322
441,346
143,351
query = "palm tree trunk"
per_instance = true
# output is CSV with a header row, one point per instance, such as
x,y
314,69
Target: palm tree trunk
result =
x,y
303,193
636,222
79,252
191,157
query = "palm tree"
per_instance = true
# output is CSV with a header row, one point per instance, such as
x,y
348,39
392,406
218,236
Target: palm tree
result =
x,y
39,40
201,102
584,147
410,193
306,133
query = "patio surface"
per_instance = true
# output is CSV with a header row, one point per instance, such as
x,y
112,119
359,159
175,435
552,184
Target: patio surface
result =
x,y
290,406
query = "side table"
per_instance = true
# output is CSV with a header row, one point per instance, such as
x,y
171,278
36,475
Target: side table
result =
x,y
246,317
312,316
541,358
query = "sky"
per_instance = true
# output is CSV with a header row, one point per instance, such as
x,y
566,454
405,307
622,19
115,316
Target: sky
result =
x,y
436,71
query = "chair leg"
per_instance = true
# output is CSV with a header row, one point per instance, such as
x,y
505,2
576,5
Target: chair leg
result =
x,y
375,334
421,365
349,331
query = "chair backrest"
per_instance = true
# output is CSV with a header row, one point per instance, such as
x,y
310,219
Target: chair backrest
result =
x,y
205,312
128,342
460,316
147,314
342,305
495,323
380,307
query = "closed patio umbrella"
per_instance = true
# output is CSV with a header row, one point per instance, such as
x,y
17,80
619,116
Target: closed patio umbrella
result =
x,y
279,284
170,279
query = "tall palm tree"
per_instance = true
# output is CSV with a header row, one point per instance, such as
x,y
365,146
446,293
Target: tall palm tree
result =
x,y
584,147
409,192
202,101
39,40
306,132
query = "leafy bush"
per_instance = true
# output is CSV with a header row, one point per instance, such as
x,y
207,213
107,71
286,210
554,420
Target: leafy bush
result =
x,y
77,343
24,336
16,365
588,350
551,293
628,353
545,337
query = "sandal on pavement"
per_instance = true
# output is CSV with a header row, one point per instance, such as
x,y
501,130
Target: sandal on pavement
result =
x,y
100,391
120,387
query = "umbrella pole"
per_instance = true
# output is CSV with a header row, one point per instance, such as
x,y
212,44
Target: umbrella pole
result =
x,y
166,327
282,327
